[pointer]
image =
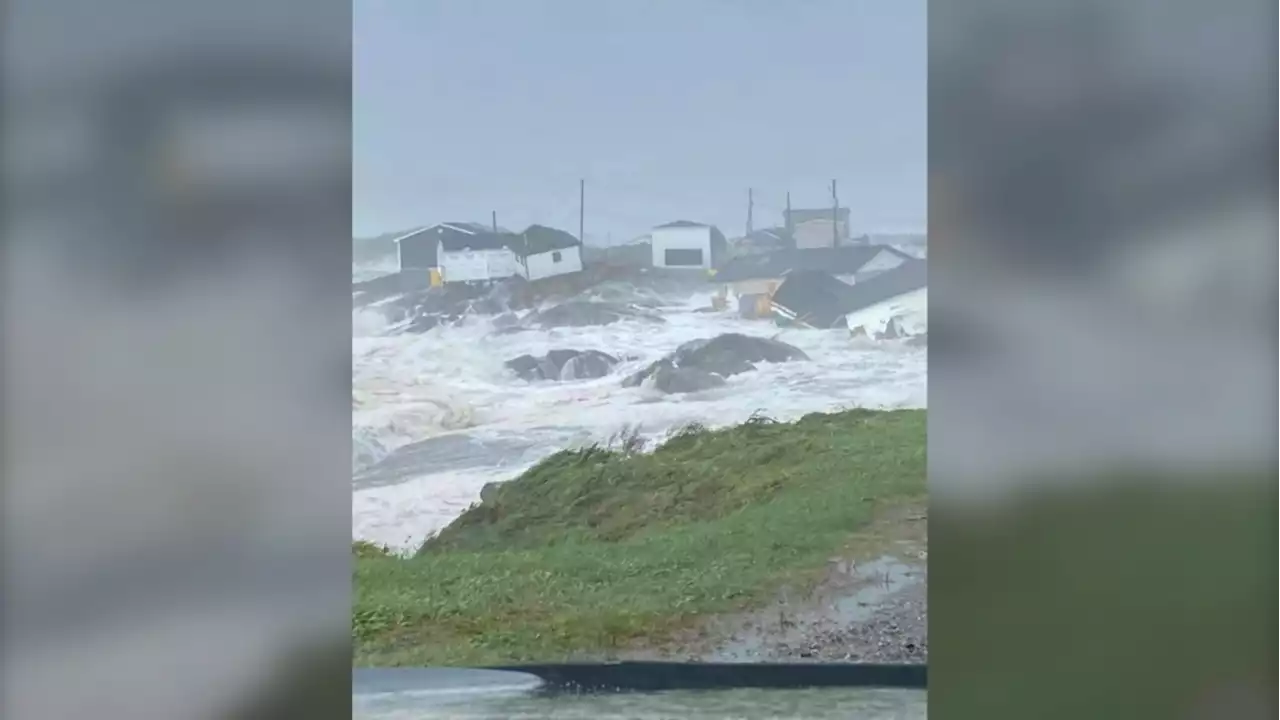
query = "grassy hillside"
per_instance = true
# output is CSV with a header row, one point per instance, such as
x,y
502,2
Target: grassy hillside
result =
x,y
595,549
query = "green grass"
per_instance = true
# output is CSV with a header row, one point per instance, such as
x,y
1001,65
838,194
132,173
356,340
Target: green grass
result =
x,y
594,550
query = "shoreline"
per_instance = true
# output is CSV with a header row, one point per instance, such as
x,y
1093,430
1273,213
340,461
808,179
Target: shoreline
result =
x,y
799,541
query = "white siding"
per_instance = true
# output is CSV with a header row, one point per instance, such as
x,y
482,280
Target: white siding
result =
x,y
681,238
473,265
910,309
543,265
884,260
816,234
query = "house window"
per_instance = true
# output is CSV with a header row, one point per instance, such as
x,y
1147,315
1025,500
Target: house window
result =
x,y
556,257
683,257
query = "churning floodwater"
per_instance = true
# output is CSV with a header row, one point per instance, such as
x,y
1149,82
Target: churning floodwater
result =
x,y
437,415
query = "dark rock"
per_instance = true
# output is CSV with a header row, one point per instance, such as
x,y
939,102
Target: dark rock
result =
x,y
724,356
563,365
422,324
506,320
489,491
579,313
670,379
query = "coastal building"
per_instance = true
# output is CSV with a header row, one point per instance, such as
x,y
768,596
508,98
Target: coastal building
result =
x,y
688,245
752,279
547,252
763,241
812,227
891,303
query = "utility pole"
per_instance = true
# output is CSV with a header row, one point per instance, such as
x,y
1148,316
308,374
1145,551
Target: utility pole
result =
x,y
787,219
751,205
495,222
835,216
582,210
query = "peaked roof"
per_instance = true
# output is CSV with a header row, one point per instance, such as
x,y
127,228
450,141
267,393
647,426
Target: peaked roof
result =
x,y
466,228
777,237
682,223
540,238
842,260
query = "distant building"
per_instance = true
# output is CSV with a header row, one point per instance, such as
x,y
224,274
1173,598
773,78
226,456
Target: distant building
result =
x,y
684,244
811,227
548,252
763,241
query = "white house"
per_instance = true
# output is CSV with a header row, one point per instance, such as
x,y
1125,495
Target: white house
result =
x,y
548,252
813,228
685,244
481,257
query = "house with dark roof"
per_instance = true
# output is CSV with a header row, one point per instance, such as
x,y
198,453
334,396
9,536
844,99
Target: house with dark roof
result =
x,y
753,278
812,227
879,306
547,252
460,252
685,244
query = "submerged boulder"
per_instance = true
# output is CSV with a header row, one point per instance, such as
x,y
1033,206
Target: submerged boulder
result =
x,y
683,379
721,356
563,365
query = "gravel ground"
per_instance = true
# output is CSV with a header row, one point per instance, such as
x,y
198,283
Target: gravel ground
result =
x,y
868,610
897,632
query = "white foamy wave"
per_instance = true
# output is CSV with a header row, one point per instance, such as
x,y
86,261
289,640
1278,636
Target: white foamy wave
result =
x,y
409,388
361,272
401,517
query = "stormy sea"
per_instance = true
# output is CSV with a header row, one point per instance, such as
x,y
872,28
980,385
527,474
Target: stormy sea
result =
x,y
445,402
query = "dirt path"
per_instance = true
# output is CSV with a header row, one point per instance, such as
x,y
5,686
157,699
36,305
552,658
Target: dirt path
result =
x,y
870,607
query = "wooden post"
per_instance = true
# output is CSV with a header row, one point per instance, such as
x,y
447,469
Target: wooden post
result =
x,y
787,218
495,222
835,216
582,210
750,208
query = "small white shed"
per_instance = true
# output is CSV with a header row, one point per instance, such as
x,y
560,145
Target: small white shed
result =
x,y
549,252
683,244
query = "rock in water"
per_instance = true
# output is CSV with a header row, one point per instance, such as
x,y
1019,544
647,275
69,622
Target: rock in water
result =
x,y
563,365
587,365
422,324
683,380
506,320
724,356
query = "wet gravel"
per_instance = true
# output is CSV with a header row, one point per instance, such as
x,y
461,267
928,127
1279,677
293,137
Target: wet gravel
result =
x,y
897,632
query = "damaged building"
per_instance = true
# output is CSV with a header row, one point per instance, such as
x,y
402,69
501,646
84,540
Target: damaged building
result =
x,y
890,304
751,280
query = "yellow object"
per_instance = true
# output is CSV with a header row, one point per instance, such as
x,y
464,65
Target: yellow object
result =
x,y
436,278
764,305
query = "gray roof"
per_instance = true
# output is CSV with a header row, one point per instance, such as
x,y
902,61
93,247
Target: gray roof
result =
x,y
846,259
682,223
540,238
776,237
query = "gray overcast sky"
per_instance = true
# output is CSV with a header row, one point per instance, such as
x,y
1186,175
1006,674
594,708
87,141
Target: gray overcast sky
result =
x,y
670,109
